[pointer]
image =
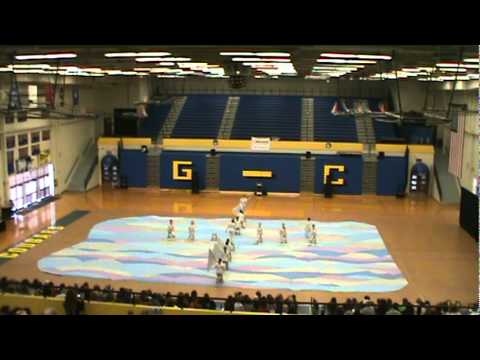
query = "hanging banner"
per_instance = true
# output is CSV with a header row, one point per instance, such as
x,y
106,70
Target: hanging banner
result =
x,y
76,95
50,96
262,144
14,101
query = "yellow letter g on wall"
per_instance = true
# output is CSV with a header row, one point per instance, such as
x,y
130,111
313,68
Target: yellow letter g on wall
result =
x,y
181,173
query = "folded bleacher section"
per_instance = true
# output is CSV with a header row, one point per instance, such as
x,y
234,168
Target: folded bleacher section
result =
x,y
385,131
157,114
329,127
200,117
268,116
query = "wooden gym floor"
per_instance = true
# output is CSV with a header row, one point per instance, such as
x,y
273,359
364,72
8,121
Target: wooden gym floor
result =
x,y
437,257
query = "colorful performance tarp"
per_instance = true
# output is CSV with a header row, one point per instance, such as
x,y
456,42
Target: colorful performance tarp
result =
x,y
349,256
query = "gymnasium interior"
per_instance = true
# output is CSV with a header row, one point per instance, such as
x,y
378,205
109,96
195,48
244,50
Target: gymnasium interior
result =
x,y
103,148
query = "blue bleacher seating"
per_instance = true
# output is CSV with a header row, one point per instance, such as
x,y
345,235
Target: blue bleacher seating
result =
x,y
200,117
384,131
329,127
157,114
268,116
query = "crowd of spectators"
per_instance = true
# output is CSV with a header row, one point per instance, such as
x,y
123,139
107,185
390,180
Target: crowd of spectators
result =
x,y
75,297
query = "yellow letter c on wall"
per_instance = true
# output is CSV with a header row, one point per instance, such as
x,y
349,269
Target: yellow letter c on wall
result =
x,y
181,174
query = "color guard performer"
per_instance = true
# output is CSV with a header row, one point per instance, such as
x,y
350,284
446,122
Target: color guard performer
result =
x,y
220,268
283,234
259,234
170,230
313,235
308,229
191,231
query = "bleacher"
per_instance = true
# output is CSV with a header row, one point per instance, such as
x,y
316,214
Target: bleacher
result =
x,y
200,117
157,114
384,131
329,127
268,116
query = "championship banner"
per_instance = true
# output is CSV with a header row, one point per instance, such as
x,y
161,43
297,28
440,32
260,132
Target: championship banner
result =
x,y
262,144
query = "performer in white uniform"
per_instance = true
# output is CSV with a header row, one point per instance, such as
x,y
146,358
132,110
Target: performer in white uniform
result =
x,y
259,234
170,230
237,226
283,234
230,244
241,217
231,229
243,203
191,231
220,268
313,235
308,229
214,237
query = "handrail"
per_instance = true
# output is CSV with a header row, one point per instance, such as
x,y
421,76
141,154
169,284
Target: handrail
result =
x,y
77,159
437,181
133,300
90,172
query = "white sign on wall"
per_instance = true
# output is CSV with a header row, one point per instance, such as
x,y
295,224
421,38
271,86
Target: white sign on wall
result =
x,y
263,144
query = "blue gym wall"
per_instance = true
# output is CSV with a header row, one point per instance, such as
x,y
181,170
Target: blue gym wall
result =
x,y
391,175
133,165
198,159
352,175
285,169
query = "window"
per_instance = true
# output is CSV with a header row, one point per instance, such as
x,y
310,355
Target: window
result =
x,y
10,162
35,149
10,142
35,137
22,139
45,135
9,119
22,116
23,153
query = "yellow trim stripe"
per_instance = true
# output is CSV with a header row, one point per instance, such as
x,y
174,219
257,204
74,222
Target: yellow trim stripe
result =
x,y
257,173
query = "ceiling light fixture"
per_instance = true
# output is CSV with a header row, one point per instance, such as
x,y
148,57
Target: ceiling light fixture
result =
x,y
46,56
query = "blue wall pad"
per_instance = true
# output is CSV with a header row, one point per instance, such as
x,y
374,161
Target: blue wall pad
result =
x,y
352,175
133,165
391,175
285,170
198,159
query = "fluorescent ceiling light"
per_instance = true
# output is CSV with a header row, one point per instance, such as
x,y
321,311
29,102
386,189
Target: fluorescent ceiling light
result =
x,y
281,54
473,76
237,54
458,69
242,59
157,59
449,65
471,60
345,61
30,66
136,54
46,56
355,56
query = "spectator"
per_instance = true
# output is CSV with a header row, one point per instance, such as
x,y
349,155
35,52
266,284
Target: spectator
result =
x,y
394,310
332,307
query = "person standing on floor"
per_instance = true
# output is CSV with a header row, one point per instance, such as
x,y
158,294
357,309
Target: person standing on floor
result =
x,y
308,229
220,269
237,226
313,235
259,234
191,231
283,234
241,219
170,230
231,229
